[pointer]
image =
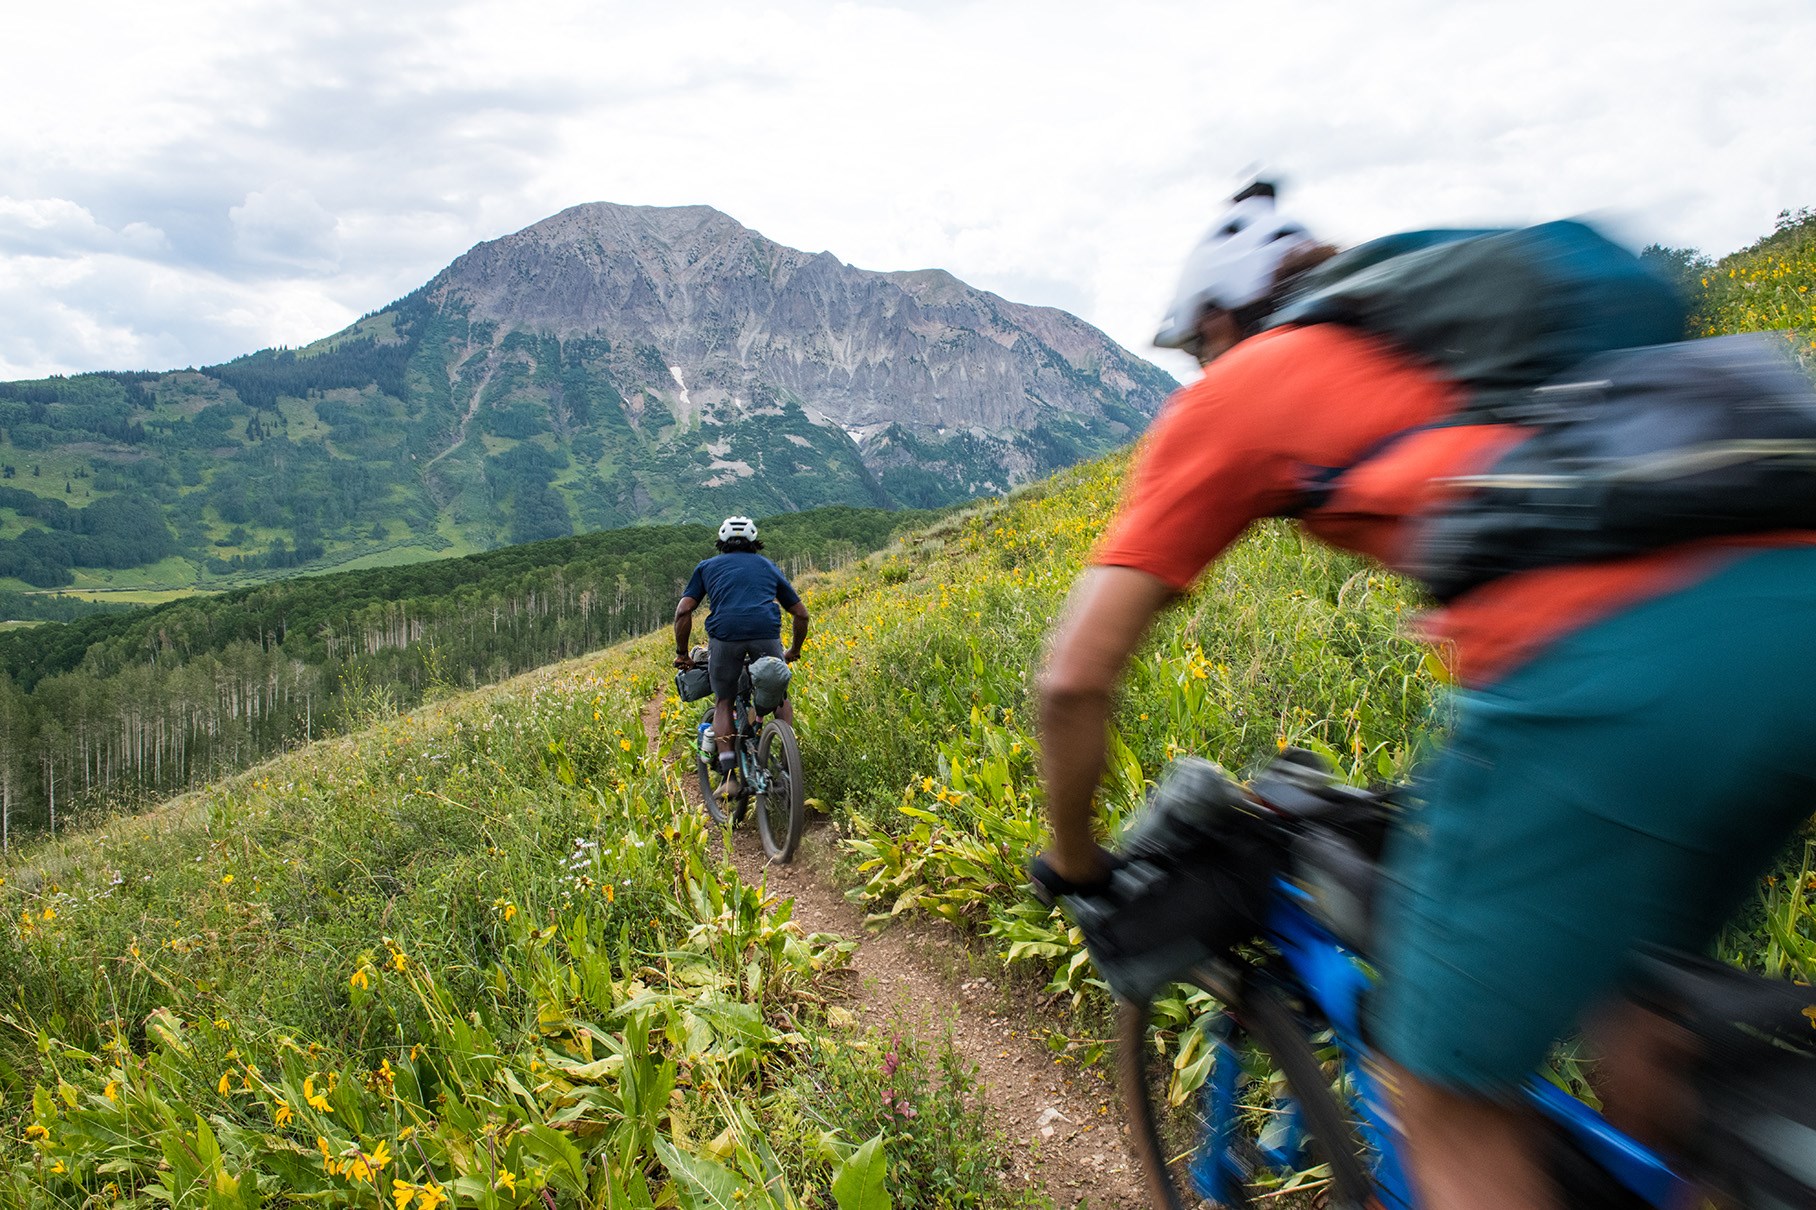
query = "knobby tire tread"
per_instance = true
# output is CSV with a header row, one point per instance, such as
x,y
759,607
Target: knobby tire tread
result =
x,y
790,812
716,807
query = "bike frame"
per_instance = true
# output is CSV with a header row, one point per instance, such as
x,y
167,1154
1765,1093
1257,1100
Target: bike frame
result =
x,y
1331,979
744,735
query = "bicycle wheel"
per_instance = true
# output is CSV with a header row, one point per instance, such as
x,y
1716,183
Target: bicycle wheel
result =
x,y
718,808
1213,1148
782,807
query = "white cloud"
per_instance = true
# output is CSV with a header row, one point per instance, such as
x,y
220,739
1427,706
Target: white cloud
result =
x,y
269,169
285,227
59,227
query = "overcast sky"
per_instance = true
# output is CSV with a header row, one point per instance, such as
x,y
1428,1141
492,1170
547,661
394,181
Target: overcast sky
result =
x,y
184,182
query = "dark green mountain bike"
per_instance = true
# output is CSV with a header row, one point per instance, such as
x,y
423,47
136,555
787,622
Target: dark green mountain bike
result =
x,y
768,762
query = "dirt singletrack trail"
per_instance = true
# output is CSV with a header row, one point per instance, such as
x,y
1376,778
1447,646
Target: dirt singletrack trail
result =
x,y
1062,1124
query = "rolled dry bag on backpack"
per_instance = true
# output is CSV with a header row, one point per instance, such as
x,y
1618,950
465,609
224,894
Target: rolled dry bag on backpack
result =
x,y
769,679
1631,451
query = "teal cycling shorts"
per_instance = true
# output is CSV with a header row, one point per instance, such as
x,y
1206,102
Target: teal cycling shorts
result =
x,y
1627,787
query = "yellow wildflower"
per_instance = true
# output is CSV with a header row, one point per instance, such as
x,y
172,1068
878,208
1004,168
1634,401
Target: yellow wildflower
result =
x,y
625,744
398,961
226,879
112,1091
506,1180
610,894
49,913
403,1192
381,1154
38,1133
359,980
315,1099
226,1084
431,1196
283,1114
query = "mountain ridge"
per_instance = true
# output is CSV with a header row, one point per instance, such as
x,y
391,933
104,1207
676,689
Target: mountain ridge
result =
x,y
605,366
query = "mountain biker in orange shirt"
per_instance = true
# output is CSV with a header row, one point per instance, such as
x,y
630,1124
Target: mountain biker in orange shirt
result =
x,y
1630,734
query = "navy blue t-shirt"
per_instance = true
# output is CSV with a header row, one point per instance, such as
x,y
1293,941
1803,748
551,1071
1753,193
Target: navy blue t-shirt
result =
x,y
743,588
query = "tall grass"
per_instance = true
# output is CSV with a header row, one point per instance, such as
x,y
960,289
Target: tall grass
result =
x,y
479,956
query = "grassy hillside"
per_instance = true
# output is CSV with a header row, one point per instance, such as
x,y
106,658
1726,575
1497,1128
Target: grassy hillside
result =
x,y
484,949
1768,286
462,958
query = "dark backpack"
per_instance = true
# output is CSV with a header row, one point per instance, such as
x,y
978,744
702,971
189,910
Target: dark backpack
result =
x,y
1499,311
1636,439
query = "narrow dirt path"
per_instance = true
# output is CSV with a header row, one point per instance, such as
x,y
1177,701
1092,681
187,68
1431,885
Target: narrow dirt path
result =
x,y
1064,1128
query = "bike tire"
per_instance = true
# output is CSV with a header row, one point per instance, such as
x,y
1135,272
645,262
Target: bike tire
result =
x,y
717,808
783,806
1270,1023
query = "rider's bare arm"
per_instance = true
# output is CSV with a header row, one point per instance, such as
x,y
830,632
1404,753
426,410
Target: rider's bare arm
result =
x,y
684,629
797,631
1104,621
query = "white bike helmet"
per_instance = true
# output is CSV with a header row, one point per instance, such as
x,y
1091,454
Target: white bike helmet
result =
x,y
737,527
1233,266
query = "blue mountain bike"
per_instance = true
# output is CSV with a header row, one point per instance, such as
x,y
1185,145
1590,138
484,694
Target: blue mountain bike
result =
x,y
1257,1079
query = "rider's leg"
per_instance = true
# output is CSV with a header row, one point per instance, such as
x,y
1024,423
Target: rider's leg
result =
x,y
786,711
1641,1074
722,727
722,733
1626,788
1468,1153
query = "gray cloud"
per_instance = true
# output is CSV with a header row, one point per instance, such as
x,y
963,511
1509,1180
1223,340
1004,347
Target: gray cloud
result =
x,y
225,177
285,227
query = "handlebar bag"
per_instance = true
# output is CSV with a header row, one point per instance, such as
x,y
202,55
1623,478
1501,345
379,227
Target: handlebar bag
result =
x,y
693,684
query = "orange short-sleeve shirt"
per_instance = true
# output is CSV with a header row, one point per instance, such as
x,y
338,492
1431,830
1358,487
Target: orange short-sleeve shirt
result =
x,y
1240,443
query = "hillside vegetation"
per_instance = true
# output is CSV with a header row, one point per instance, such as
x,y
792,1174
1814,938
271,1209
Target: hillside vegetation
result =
x,y
1769,286
464,958
484,951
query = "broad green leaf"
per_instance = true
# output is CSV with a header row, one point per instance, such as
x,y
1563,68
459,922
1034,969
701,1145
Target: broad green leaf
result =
x,y
857,1182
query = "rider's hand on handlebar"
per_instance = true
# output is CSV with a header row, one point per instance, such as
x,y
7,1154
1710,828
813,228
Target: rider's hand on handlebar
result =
x,y
1049,885
792,654
684,662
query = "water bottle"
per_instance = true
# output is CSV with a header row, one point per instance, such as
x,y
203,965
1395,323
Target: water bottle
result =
x,y
705,731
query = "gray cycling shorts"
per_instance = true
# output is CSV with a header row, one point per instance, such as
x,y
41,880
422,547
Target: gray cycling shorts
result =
x,y
725,660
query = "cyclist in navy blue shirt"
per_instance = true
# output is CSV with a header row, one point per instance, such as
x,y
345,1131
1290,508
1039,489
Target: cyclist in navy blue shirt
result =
x,y
747,593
